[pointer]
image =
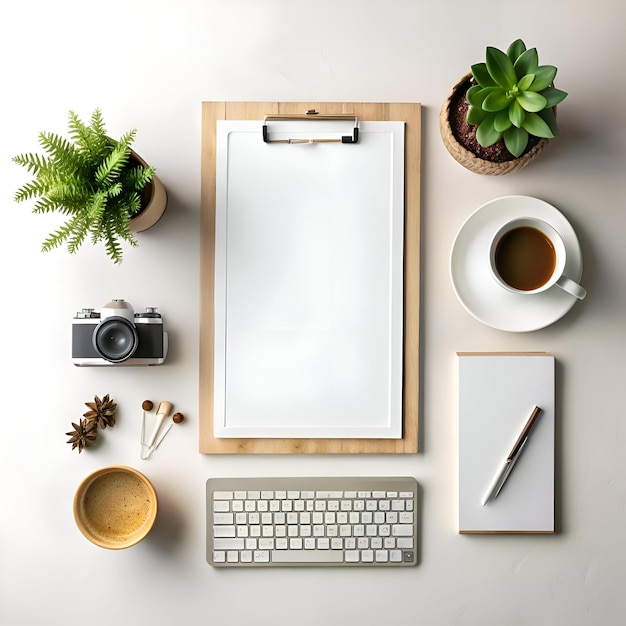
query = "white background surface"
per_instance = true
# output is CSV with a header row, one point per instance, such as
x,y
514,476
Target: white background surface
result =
x,y
149,64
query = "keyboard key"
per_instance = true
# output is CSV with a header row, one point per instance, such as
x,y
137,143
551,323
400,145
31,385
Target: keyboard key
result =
x,y
232,556
223,518
224,531
228,544
307,556
382,556
222,495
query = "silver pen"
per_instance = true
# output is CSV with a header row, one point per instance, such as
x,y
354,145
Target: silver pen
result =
x,y
503,473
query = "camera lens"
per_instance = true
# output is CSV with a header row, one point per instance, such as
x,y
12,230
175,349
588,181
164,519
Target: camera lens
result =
x,y
115,339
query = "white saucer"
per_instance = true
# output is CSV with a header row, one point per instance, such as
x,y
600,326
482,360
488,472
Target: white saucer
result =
x,y
477,289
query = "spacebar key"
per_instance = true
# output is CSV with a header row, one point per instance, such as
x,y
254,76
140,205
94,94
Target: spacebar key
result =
x,y
307,556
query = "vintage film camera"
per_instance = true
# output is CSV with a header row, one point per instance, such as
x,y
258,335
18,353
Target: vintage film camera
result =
x,y
118,336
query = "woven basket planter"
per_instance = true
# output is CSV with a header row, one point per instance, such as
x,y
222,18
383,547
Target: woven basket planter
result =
x,y
469,159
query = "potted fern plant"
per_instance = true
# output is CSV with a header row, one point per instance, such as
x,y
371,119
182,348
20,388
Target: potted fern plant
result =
x,y
106,191
500,115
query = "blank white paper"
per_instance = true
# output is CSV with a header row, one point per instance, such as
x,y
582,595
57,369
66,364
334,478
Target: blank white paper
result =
x,y
309,282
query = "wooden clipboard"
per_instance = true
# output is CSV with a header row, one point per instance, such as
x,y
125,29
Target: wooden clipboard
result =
x,y
410,113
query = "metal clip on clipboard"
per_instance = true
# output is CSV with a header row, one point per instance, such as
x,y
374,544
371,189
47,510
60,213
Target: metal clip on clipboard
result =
x,y
312,115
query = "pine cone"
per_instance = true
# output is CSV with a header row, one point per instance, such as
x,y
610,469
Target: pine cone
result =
x,y
102,412
84,434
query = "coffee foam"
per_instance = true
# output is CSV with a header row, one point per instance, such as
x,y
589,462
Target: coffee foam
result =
x,y
116,507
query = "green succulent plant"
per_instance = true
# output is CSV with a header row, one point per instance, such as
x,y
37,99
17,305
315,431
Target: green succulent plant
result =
x,y
92,180
513,98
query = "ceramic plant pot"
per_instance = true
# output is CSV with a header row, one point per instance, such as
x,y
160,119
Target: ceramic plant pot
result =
x,y
154,201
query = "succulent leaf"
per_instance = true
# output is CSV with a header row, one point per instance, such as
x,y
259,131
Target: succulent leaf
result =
x,y
517,114
486,134
515,140
482,76
527,63
553,96
544,77
531,101
496,101
476,115
476,94
517,48
525,82
535,125
502,121
547,115
500,68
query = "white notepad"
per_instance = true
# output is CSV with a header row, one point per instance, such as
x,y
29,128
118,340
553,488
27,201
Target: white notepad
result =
x,y
497,393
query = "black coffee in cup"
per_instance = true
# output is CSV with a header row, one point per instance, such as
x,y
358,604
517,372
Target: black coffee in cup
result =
x,y
525,258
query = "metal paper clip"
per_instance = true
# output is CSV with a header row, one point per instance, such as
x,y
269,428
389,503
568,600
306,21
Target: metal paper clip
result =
x,y
148,447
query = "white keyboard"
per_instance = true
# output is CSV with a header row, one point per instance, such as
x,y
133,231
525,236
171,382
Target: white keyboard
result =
x,y
349,521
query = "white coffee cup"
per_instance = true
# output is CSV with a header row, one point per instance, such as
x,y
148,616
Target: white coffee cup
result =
x,y
525,261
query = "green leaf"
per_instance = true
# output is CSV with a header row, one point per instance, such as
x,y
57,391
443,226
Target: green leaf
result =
x,y
527,63
472,96
525,82
517,114
476,94
496,101
553,96
544,77
476,115
481,75
30,190
548,116
34,163
502,121
486,134
500,68
112,166
536,125
516,140
514,51
531,101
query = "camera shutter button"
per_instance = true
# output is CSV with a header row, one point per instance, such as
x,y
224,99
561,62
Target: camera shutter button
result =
x,y
151,312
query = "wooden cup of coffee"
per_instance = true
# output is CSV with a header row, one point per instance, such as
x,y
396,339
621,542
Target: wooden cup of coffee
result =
x,y
528,256
115,507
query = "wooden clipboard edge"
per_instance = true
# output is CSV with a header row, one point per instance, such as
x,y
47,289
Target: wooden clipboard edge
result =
x,y
410,113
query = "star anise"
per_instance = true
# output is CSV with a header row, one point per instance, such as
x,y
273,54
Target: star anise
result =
x,y
102,411
84,434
